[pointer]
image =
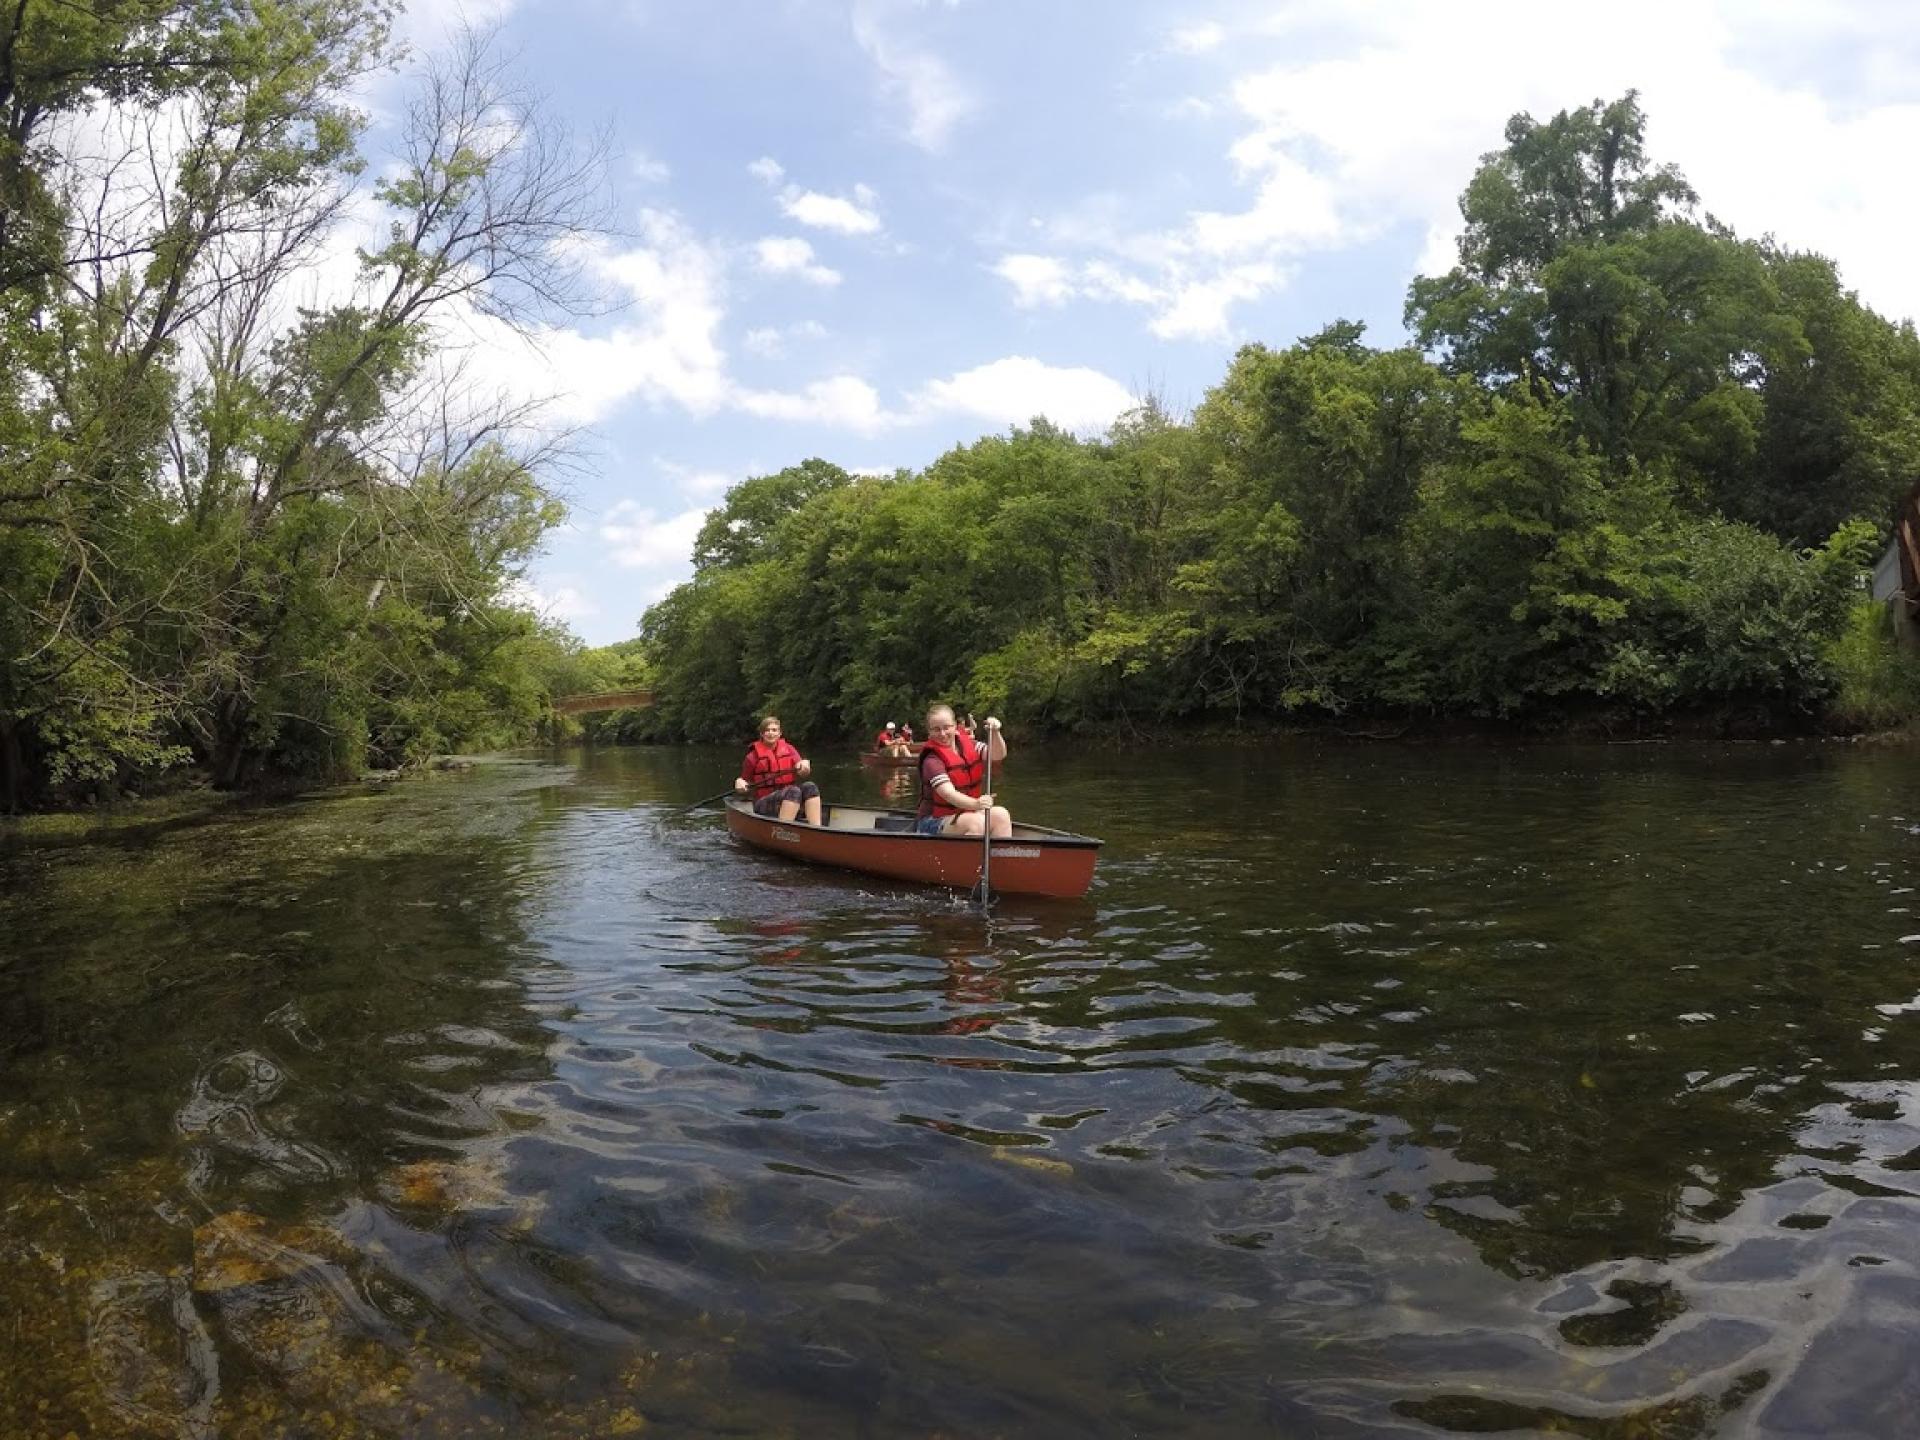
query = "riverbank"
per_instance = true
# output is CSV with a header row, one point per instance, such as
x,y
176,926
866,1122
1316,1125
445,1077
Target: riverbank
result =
x,y
190,795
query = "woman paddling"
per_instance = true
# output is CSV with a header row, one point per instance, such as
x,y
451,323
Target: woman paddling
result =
x,y
952,767
775,773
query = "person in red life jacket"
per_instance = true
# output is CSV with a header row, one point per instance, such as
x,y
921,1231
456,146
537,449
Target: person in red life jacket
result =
x,y
891,743
775,774
952,768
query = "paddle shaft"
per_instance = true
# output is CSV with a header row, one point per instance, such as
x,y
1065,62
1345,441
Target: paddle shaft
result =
x,y
986,831
698,804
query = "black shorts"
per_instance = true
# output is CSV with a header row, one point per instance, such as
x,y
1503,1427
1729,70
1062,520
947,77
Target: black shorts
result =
x,y
770,803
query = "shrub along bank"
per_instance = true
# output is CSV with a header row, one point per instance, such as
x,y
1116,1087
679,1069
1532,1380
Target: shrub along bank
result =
x,y
1633,467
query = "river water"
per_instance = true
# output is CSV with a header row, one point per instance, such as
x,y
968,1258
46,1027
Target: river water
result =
x,y
1371,1091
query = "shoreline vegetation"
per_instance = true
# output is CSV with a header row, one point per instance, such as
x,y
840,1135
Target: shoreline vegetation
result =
x,y
189,796
1626,478
1629,477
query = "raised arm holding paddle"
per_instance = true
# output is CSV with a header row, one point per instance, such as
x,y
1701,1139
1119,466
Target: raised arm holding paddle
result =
x,y
953,770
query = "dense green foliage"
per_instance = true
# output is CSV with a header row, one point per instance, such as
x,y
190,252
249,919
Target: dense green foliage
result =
x,y
266,538
1631,465
1634,465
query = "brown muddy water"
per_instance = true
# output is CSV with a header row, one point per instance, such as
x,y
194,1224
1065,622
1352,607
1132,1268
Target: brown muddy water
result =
x,y
1370,1092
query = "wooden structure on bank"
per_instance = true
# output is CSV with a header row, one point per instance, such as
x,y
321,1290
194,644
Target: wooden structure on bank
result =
x,y
605,700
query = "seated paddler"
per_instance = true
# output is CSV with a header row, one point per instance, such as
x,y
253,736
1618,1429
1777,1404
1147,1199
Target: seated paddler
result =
x,y
953,767
775,774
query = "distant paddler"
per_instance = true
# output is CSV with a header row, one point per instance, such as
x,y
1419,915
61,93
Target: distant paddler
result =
x,y
775,774
952,767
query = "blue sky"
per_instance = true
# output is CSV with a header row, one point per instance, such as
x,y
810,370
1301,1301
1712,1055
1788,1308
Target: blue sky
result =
x,y
871,229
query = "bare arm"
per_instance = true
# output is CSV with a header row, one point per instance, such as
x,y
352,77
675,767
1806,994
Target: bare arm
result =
x,y
944,788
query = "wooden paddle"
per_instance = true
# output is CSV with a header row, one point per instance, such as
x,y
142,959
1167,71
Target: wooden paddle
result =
x,y
982,893
700,804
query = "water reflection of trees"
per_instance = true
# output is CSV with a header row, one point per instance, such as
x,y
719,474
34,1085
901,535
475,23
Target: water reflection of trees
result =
x,y
320,1090
1615,987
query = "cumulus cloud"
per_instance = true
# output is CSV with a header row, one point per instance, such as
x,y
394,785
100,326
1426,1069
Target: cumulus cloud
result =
x,y
1345,138
1036,279
1007,391
648,170
1015,389
553,602
1199,309
841,402
771,341
1195,39
790,255
855,216
665,351
640,538
935,99
694,482
1188,301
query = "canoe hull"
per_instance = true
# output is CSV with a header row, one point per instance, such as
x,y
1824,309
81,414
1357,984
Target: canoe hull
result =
x,y
890,762
1034,861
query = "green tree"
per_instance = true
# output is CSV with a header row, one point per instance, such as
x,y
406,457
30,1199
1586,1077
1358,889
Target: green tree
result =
x,y
741,530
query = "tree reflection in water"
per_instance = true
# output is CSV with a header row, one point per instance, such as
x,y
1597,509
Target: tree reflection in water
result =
x,y
1377,1092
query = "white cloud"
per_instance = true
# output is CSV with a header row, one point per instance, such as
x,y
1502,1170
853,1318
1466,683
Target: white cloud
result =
x,y
771,341
665,349
669,352
695,483
1346,139
854,216
1293,210
560,602
1007,391
1188,301
1195,39
648,170
1015,389
936,99
642,539
1198,309
790,255
1191,107
842,402
1036,279
1104,281
1389,149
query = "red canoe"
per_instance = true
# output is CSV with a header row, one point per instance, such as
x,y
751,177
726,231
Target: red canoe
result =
x,y
1033,861
893,762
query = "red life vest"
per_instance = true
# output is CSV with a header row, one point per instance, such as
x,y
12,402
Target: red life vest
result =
x,y
769,767
886,738
965,764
